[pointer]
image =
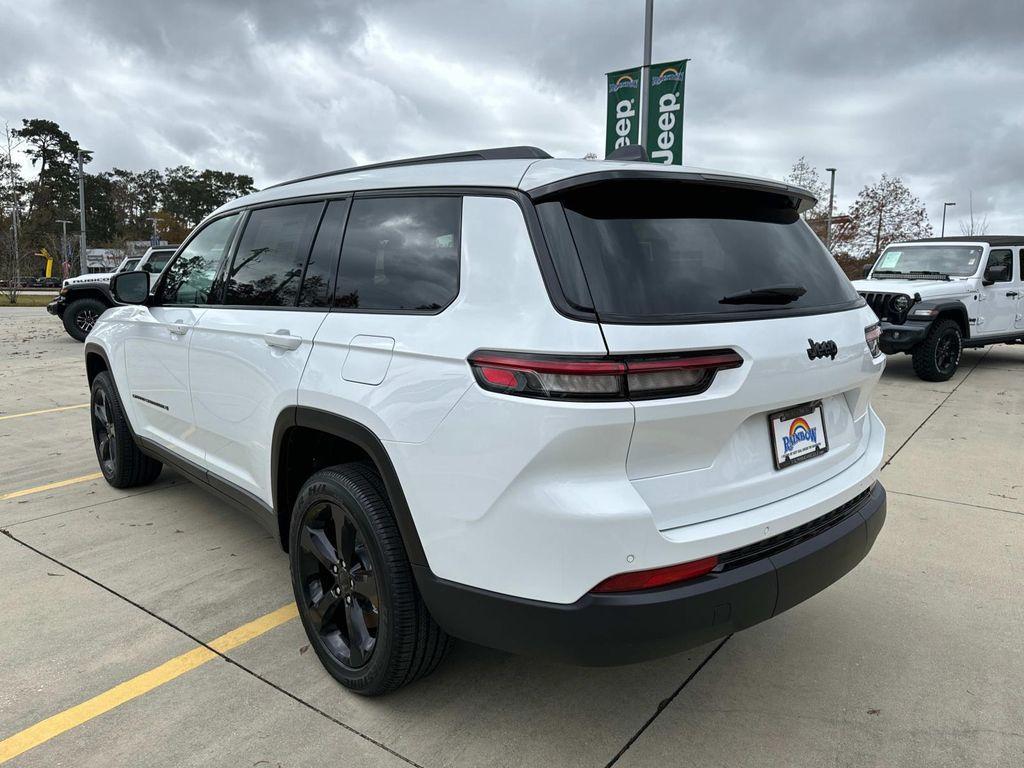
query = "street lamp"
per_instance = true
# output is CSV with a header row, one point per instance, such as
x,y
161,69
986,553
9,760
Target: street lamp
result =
x,y
82,265
831,200
944,207
154,236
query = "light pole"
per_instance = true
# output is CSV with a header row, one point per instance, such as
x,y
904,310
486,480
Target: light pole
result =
x,y
831,201
154,237
944,207
82,266
63,244
645,71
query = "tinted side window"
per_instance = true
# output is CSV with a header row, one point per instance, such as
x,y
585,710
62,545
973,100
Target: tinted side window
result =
x,y
190,276
400,253
318,281
157,262
1002,258
267,267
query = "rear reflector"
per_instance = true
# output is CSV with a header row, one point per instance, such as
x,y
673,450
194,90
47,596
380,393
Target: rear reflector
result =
x,y
657,577
600,378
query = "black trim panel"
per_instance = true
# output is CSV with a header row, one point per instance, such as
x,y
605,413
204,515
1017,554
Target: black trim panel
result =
x,y
606,629
229,492
356,433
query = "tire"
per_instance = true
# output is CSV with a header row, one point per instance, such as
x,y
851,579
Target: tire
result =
x,y
938,356
122,463
362,590
81,315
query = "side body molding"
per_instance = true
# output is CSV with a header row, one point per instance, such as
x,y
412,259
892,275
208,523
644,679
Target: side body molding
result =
x,y
356,433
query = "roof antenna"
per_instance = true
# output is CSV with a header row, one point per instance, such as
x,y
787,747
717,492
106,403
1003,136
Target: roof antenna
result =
x,y
629,152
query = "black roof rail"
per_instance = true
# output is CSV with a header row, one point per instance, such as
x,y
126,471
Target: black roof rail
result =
x,y
495,153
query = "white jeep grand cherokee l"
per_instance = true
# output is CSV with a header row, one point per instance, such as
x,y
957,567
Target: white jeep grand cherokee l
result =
x,y
599,411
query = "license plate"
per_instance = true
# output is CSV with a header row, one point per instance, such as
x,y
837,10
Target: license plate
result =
x,y
798,434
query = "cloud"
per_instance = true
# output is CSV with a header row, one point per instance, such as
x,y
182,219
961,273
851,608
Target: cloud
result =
x,y
920,88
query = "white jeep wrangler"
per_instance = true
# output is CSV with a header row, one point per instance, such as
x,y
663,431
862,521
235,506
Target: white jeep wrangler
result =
x,y
84,298
934,297
599,411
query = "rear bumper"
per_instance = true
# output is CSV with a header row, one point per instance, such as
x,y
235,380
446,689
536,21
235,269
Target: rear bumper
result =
x,y
756,583
902,338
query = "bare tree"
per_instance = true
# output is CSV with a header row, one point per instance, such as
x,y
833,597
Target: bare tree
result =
x,y
974,226
805,175
884,212
10,192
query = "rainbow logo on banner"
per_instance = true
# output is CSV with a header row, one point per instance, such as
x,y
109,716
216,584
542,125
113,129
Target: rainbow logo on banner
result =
x,y
799,431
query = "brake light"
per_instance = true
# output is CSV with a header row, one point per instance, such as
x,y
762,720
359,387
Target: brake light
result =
x,y
872,334
657,577
600,378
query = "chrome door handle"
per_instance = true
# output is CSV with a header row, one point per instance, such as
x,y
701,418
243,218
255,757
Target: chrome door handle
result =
x,y
282,340
178,330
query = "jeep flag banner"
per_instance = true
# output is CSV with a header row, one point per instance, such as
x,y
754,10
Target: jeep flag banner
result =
x,y
623,125
664,129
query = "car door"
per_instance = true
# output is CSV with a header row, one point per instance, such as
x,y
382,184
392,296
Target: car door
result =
x,y
1000,307
248,352
1018,319
156,346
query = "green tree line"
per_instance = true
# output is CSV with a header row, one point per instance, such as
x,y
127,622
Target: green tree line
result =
x,y
119,204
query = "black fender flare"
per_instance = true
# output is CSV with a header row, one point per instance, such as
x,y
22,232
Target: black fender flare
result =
x,y
947,306
98,291
364,438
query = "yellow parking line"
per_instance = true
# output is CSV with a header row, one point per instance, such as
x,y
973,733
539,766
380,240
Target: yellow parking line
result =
x,y
45,410
46,729
50,486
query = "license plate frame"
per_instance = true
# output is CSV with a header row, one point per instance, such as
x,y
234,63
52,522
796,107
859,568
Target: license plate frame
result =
x,y
783,420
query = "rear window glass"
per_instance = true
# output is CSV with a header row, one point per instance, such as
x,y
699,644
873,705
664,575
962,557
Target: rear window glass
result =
x,y
666,252
400,254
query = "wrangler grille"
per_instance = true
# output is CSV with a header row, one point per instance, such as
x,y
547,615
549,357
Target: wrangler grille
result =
x,y
881,304
775,544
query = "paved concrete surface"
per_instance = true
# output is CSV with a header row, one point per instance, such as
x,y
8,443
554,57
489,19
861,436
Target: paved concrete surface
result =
x,y
914,659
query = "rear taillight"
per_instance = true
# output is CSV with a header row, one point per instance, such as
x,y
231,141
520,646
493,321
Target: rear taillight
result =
x,y
657,577
872,334
600,378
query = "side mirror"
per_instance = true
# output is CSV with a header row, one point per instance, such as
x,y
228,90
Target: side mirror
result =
x,y
995,273
130,287
867,270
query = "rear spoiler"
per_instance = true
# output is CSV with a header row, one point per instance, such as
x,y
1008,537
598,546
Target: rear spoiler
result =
x,y
801,198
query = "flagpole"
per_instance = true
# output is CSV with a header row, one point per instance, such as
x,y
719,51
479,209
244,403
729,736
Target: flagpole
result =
x,y
645,71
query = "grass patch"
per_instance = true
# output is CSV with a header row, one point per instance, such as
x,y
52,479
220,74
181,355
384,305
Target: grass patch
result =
x,y
26,300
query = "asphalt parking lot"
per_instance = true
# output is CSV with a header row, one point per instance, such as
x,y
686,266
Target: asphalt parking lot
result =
x,y
110,597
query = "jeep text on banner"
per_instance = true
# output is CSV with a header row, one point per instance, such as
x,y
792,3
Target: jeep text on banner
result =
x,y
664,130
623,109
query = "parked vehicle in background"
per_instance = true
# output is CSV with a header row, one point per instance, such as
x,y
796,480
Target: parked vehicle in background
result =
x,y
84,298
597,411
937,296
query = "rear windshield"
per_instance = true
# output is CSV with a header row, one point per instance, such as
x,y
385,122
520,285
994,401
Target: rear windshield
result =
x,y
667,252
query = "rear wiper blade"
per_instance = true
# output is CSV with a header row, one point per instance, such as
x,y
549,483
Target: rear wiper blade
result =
x,y
769,294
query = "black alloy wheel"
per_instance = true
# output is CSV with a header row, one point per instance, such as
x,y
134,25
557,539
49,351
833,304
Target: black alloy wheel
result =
x,y
85,320
938,356
122,463
353,583
339,583
104,433
81,316
947,352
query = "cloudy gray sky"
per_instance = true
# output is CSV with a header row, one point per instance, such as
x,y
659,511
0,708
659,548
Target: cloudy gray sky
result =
x,y
932,90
